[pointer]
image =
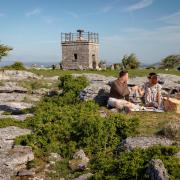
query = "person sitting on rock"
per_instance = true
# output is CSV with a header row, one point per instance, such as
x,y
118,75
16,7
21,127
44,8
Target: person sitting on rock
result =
x,y
119,93
151,91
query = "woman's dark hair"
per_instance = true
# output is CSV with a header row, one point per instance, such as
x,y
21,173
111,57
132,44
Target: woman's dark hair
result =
x,y
152,74
122,73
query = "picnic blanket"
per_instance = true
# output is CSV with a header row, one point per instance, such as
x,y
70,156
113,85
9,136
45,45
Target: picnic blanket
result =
x,y
146,109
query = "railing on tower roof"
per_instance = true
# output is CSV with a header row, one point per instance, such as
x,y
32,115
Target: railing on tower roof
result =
x,y
80,36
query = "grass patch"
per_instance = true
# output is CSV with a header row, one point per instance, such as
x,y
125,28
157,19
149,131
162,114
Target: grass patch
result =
x,y
33,84
11,122
1,83
151,123
132,73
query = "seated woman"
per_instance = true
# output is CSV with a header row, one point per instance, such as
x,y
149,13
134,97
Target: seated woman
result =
x,y
119,93
152,92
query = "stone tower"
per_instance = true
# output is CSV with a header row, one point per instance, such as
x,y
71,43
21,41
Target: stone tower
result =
x,y
80,50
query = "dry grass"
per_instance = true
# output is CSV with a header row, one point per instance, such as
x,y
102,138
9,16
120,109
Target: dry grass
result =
x,y
151,123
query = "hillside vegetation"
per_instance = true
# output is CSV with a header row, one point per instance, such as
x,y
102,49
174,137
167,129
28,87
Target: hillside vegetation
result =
x,y
65,124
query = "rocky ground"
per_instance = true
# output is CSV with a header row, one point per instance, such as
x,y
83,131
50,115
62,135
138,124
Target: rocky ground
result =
x,y
14,98
99,87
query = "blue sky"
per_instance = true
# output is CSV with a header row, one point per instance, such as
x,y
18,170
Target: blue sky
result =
x,y
148,28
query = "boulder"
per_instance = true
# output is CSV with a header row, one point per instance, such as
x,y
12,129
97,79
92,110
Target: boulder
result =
x,y
12,87
8,134
18,156
99,93
20,117
157,171
19,97
84,176
14,106
26,172
131,143
17,75
12,158
79,161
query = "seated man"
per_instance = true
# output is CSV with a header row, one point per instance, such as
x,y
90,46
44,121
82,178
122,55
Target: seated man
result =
x,y
119,93
152,92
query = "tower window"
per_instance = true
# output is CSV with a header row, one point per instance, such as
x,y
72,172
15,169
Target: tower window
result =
x,y
75,57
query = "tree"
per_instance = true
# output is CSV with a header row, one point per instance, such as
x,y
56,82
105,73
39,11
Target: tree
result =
x,y
171,61
130,62
4,50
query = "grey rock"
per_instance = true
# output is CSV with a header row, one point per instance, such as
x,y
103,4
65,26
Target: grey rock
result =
x,y
99,93
157,171
26,172
8,134
12,87
18,156
54,78
17,75
42,91
20,117
144,142
80,155
55,157
84,176
79,161
19,97
14,106
13,158
38,178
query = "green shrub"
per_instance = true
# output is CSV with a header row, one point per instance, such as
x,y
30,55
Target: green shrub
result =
x,y
70,84
16,66
132,165
64,124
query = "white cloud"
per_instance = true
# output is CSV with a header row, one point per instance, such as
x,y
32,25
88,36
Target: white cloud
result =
x,y
150,45
173,18
139,5
33,12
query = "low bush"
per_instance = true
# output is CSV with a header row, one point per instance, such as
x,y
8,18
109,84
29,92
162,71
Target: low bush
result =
x,y
133,165
65,124
171,130
16,66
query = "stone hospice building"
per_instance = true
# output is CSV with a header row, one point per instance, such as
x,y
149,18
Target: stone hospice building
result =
x,y
80,50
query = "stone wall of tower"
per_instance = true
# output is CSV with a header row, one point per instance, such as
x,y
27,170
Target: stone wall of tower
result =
x,y
84,51
93,50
